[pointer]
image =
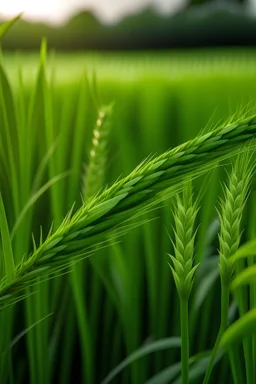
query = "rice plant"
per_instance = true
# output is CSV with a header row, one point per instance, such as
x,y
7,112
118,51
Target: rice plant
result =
x,y
114,317
183,270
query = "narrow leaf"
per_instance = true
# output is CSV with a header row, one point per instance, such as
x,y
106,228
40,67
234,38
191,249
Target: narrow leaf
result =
x,y
7,25
6,244
241,328
35,197
246,250
159,345
247,276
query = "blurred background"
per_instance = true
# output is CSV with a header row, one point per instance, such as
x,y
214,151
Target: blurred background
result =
x,y
134,24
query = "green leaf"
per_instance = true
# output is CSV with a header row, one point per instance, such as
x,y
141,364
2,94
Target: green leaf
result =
x,y
166,375
241,328
246,250
34,198
247,276
23,333
7,25
159,345
6,244
197,367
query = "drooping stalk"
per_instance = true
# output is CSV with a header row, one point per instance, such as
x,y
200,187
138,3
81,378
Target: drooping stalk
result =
x,y
113,207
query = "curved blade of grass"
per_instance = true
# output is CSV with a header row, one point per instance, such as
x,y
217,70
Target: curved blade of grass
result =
x,y
8,148
42,166
166,375
247,276
35,197
246,250
198,365
8,259
159,345
24,332
241,328
7,25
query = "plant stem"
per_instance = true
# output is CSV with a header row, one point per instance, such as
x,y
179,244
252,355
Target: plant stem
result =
x,y
242,299
235,363
223,326
184,340
224,305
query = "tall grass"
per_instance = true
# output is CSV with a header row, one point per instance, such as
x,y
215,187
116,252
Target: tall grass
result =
x,y
122,303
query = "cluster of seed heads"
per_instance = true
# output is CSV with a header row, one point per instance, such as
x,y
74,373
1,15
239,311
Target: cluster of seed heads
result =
x,y
114,206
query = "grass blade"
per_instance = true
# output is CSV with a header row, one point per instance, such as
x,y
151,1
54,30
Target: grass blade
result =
x,y
247,276
10,269
240,329
7,25
159,345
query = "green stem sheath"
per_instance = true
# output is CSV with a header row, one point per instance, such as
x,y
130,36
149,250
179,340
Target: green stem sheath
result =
x,y
223,326
184,340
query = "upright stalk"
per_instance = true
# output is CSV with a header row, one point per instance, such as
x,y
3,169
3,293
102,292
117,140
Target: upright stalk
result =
x,y
223,326
182,266
235,194
184,340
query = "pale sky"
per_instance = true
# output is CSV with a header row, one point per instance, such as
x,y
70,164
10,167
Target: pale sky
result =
x,y
107,10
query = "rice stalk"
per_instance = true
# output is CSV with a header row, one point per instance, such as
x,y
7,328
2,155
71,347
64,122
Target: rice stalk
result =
x,y
126,198
93,181
230,215
182,265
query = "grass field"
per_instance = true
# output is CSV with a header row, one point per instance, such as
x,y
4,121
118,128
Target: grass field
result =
x,y
62,142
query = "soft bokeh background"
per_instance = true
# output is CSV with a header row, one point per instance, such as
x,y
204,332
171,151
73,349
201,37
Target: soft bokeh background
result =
x,y
144,24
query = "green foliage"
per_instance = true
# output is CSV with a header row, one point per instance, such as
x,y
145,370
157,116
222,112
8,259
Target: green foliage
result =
x,y
93,221
239,330
173,342
47,132
7,25
247,276
7,254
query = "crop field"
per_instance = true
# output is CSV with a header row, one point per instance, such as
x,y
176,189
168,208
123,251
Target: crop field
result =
x,y
115,274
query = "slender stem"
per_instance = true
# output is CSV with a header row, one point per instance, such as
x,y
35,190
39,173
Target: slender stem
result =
x,y
224,305
253,305
223,326
235,363
184,340
243,300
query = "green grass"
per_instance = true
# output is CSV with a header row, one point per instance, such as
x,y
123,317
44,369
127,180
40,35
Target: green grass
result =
x,y
115,316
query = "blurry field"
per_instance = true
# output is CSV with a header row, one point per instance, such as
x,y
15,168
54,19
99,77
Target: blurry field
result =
x,y
161,100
